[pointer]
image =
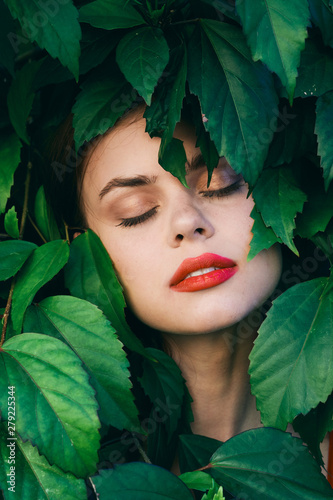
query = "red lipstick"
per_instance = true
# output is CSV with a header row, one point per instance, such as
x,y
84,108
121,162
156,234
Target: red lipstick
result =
x,y
216,270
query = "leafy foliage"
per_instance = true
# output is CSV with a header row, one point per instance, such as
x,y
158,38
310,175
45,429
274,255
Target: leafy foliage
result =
x,y
256,80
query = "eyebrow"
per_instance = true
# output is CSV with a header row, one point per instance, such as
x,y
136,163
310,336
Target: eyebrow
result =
x,y
138,180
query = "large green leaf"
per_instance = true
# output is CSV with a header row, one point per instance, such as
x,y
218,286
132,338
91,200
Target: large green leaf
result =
x,y
292,357
267,464
13,255
195,451
322,16
140,481
44,263
317,212
10,150
55,405
236,95
45,218
142,55
286,199
263,236
35,478
162,381
20,98
322,129
99,104
54,26
90,335
89,275
110,15
276,35
315,74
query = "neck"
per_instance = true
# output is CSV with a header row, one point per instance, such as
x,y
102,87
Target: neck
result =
x,y
215,367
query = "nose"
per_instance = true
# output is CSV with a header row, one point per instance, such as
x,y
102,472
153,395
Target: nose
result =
x,y
188,222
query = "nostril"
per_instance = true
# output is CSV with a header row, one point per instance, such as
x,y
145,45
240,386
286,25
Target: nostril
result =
x,y
199,230
179,237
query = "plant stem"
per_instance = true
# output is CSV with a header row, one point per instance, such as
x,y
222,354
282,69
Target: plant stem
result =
x,y
141,450
6,313
25,202
36,229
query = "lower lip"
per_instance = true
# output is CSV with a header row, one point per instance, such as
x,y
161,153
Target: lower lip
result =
x,y
204,281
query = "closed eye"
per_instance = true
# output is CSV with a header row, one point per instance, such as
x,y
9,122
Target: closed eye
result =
x,y
225,191
139,219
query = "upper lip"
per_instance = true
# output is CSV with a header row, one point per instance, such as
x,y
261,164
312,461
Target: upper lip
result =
x,y
201,262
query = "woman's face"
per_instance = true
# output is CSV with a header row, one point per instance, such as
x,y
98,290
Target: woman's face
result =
x,y
159,232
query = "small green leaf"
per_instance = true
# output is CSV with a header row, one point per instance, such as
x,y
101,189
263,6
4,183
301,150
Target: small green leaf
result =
x,y
197,480
263,236
291,359
45,218
322,16
35,478
215,493
13,255
54,26
195,451
172,157
317,212
142,55
140,481
90,335
286,199
164,384
10,151
44,263
267,464
276,35
99,104
89,275
55,405
11,223
20,98
237,96
322,129
110,16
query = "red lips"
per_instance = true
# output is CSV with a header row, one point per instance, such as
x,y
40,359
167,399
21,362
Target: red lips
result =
x,y
225,269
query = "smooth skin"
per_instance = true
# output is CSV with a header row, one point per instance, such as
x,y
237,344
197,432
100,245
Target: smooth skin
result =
x,y
150,223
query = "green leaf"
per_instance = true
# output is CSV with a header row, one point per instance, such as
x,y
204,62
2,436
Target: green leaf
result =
x,y
322,16
140,481
236,95
55,405
100,103
164,384
276,35
172,157
35,478
110,16
215,493
89,275
10,150
317,212
315,74
44,263
325,145
263,236
44,216
54,26
11,223
195,451
13,255
142,55
286,199
314,426
291,359
20,98
267,464
90,335
197,480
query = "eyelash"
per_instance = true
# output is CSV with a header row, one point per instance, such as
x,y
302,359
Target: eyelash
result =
x,y
217,193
